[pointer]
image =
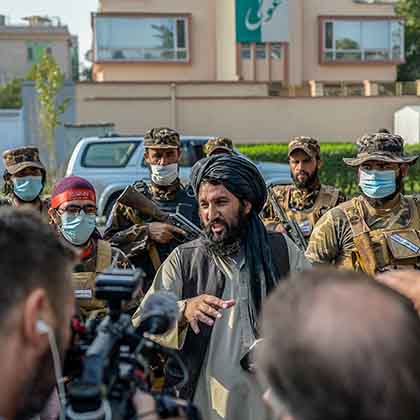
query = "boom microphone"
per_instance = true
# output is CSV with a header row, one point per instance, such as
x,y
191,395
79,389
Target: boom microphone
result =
x,y
159,313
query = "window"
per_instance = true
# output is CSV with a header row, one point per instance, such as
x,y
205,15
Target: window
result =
x,y
141,38
245,51
362,41
30,53
261,51
35,51
276,50
108,155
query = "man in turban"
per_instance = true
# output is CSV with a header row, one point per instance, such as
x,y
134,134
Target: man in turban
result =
x,y
221,281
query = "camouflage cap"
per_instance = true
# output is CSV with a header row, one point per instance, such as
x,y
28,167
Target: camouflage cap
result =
x,y
308,144
162,138
383,147
20,158
218,143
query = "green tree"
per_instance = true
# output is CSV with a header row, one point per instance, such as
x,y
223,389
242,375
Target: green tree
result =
x,y
11,95
49,81
410,10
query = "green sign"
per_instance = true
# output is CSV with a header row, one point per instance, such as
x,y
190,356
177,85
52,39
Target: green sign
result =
x,y
262,21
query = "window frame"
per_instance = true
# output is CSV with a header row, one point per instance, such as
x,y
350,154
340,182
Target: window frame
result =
x,y
188,37
322,36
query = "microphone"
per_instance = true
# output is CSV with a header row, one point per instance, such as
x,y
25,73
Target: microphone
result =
x,y
159,314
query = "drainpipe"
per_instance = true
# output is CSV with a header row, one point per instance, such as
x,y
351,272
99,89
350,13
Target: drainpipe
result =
x,y
173,106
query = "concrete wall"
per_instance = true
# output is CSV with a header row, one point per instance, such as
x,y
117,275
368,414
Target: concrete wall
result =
x,y
32,131
11,130
241,111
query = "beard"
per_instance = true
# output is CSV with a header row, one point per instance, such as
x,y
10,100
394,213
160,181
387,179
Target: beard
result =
x,y
39,386
381,202
309,181
229,242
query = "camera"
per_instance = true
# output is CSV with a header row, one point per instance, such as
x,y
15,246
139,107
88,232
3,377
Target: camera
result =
x,y
115,359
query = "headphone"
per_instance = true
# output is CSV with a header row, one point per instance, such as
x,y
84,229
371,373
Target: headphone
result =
x,y
42,327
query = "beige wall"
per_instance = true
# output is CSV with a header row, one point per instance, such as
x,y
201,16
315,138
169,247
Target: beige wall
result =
x,y
241,111
202,50
226,58
14,62
312,70
213,48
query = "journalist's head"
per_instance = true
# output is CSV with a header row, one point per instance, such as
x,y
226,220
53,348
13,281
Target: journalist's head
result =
x,y
340,346
36,306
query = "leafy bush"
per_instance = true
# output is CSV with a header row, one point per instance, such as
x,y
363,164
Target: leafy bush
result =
x,y
335,171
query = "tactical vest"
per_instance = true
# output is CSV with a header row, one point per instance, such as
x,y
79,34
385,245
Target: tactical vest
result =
x,y
392,248
84,283
306,219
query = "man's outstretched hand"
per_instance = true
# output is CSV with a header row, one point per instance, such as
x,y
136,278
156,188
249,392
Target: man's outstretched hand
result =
x,y
205,308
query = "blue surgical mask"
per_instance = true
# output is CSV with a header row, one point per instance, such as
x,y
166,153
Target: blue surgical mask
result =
x,y
377,184
27,188
77,229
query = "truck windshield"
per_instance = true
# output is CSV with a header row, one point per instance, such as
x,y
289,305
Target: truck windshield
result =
x,y
108,155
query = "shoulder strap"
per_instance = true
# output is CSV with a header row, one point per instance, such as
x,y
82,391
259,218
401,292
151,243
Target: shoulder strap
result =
x,y
104,256
280,254
365,255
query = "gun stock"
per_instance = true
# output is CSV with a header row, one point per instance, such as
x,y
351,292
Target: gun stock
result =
x,y
135,199
292,228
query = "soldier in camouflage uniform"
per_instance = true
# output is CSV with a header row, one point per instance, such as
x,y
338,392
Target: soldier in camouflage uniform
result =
x,y
147,242
306,200
218,145
73,212
24,179
378,230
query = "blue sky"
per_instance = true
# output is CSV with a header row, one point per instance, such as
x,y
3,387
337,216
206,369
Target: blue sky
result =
x,y
74,13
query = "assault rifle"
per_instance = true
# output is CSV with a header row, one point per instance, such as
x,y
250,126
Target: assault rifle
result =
x,y
291,227
135,199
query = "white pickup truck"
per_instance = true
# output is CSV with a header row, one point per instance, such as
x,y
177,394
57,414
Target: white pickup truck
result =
x,y
111,163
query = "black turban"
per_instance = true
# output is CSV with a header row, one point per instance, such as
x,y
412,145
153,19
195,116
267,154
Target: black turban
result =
x,y
243,179
239,175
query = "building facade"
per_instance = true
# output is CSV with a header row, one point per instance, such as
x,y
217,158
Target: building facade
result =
x,y
24,45
292,42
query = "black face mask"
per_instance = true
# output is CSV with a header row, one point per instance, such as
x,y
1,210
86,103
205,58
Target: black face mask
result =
x,y
230,242
310,181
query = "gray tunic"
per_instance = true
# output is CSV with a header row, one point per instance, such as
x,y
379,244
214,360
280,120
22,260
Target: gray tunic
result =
x,y
224,389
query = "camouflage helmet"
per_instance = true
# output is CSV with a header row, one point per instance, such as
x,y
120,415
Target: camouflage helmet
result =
x,y
218,143
309,145
162,138
383,147
20,158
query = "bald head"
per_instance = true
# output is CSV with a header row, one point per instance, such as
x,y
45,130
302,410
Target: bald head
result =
x,y
341,346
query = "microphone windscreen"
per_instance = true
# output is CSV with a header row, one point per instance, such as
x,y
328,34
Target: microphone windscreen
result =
x,y
162,304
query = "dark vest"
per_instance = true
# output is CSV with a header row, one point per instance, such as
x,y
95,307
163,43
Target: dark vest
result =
x,y
201,275
186,204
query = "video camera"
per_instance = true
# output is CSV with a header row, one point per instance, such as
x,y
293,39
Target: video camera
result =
x,y
116,358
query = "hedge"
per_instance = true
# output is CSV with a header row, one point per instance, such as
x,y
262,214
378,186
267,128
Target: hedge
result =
x,y
334,171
